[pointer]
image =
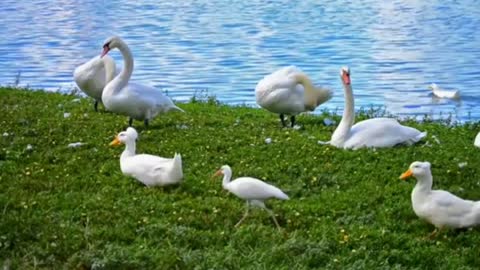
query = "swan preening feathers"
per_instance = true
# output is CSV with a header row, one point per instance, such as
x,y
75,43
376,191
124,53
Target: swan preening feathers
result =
x,y
148,169
94,75
137,101
376,132
440,208
289,91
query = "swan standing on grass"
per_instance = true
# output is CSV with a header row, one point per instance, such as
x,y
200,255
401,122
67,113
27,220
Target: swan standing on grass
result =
x,y
376,132
439,207
441,93
92,76
135,100
289,91
148,169
254,191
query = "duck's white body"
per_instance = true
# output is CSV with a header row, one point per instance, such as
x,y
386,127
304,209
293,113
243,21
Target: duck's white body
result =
x,y
477,140
377,132
149,169
253,190
135,100
441,93
93,76
439,207
289,91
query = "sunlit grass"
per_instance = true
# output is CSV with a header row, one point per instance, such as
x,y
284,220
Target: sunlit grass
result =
x,y
72,207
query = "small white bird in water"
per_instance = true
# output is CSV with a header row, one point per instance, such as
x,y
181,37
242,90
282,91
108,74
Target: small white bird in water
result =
x,y
439,207
442,93
254,191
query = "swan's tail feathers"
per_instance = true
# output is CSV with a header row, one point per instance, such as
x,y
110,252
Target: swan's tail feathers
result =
x,y
324,95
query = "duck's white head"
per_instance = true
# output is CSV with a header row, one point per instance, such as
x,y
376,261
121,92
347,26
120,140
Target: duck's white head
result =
x,y
345,75
223,170
417,169
111,43
128,135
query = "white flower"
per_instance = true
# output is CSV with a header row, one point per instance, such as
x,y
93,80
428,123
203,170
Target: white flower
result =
x,y
29,147
268,140
76,144
66,115
5,134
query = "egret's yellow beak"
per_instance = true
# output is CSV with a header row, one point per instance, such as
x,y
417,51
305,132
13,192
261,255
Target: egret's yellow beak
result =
x,y
406,174
219,172
115,142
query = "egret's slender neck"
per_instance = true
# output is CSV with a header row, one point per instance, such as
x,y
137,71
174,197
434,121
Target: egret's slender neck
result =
x,y
227,175
310,95
348,118
121,80
424,183
129,149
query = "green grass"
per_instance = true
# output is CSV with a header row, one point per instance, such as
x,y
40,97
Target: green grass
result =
x,y
72,208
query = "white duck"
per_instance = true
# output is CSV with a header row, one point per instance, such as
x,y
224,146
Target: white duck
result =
x,y
376,132
441,93
253,190
439,207
289,91
135,100
92,76
477,140
148,169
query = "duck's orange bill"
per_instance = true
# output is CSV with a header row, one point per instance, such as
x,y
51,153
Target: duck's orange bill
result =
x,y
219,172
406,174
115,142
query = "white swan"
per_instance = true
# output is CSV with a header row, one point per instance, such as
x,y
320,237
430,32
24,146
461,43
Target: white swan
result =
x,y
253,190
440,208
92,76
148,169
441,93
135,100
289,91
477,140
376,132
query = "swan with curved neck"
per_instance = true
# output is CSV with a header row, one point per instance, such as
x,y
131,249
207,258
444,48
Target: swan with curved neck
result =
x,y
253,190
438,207
92,77
376,132
149,169
135,100
289,91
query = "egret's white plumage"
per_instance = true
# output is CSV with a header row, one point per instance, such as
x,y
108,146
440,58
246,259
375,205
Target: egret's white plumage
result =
x,y
289,91
442,93
253,190
149,169
377,132
135,100
440,208
92,76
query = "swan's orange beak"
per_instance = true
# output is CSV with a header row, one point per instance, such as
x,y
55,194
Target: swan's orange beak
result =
x,y
218,173
106,49
346,78
406,174
115,142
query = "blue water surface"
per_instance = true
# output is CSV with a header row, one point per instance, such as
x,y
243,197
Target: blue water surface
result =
x,y
395,49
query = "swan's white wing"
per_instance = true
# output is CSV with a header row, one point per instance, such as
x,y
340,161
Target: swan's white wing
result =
x,y
381,132
90,77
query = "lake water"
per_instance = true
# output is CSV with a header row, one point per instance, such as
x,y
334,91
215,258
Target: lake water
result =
x,y
395,49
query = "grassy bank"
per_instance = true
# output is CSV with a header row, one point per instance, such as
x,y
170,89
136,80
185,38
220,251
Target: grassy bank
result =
x,y
72,207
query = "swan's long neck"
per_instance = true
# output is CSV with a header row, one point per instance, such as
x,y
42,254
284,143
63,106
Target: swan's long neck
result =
x,y
121,80
129,149
110,69
310,93
348,118
227,175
